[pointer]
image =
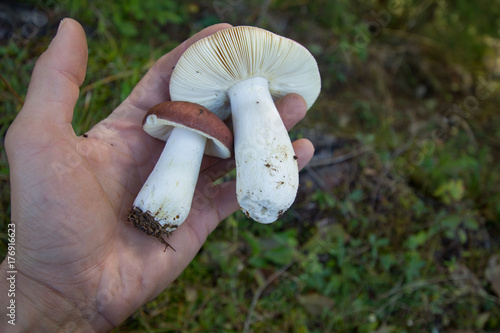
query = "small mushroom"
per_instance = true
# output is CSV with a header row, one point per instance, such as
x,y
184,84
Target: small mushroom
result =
x,y
241,71
190,130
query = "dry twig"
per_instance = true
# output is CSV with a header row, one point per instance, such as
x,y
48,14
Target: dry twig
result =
x,y
12,89
259,292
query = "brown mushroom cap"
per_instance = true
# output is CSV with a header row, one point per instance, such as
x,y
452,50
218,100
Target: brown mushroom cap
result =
x,y
161,119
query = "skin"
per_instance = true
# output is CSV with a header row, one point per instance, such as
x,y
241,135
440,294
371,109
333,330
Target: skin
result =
x,y
79,264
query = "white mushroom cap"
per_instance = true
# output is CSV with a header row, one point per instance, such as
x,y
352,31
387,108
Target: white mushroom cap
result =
x,y
211,66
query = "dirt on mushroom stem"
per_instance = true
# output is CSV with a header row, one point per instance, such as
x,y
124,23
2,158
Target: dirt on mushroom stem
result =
x,y
145,222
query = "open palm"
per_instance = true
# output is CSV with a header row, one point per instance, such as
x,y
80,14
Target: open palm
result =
x,y
70,195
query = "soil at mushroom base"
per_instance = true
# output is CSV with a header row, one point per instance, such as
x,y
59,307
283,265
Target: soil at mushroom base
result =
x,y
145,222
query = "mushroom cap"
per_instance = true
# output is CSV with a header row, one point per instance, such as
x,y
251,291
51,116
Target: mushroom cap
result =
x,y
162,118
209,67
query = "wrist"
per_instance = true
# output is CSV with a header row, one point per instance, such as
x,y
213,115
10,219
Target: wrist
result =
x,y
28,306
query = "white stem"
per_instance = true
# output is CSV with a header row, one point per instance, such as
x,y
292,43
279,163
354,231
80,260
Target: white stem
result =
x,y
168,192
266,168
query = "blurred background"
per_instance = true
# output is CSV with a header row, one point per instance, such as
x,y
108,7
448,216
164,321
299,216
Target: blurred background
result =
x,y
397,222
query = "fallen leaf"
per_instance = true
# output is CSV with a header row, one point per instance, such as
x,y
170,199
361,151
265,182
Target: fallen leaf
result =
x,y
191,294
315,304
493,273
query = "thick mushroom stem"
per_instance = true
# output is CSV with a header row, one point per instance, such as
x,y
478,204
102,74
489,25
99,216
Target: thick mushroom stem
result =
x,y
266,166
167,194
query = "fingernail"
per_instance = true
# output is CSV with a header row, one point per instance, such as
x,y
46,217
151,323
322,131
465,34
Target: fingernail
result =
x,y
60,25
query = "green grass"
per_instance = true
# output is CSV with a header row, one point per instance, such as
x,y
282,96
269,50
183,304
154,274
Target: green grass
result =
x,y
397,221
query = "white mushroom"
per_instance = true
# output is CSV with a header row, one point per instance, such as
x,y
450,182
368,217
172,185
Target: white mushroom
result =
x,y
190,130
241,71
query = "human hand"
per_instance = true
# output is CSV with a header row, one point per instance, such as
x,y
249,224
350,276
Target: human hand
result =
x,y
79,264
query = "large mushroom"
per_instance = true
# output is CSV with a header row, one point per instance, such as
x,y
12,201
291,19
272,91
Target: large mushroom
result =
x,y
241,71
190,130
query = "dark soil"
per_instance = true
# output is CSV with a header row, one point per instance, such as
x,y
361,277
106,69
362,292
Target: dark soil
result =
x,y
145,222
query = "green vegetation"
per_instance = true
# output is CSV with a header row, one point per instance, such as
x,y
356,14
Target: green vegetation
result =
x,y
396,226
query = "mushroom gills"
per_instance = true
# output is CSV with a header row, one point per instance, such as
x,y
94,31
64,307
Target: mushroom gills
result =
x,y
266,168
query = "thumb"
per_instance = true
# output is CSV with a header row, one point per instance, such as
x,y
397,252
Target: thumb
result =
x,y
55,82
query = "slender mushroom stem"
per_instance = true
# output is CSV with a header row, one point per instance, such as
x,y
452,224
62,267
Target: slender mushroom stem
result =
x,y
266,166
167,194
